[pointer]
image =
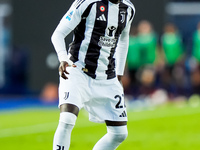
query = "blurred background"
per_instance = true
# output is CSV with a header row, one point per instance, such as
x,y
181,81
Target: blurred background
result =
x,y
163,59
161,81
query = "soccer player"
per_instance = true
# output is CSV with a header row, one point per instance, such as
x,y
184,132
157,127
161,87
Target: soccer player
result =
x,y
90,71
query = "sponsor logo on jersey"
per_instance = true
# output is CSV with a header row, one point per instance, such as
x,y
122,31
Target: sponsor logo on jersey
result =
x,y
111,31
102,8
69,16
123,114
107,42
102,18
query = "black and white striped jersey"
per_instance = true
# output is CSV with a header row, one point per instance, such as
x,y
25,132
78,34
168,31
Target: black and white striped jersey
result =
x,y
101,36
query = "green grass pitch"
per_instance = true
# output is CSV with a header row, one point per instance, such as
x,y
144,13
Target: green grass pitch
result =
x,y
164,128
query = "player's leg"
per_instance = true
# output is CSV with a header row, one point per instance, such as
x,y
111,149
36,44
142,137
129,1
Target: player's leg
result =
x,y
69,104
110,106
68,116
116,134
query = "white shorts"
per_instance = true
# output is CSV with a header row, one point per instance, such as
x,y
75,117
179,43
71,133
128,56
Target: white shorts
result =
x,y
103,99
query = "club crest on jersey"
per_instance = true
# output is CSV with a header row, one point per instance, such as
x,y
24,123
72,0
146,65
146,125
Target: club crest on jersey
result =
x,y
66,95
122,13
102,8
69,16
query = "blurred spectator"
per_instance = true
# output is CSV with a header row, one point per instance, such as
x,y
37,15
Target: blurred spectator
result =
x,y
195,62
147,43
196,44
172,45
173,77
147,76
195,80
142,53
133,57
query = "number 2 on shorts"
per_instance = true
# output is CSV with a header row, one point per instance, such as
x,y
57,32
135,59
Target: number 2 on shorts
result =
x,y
119,104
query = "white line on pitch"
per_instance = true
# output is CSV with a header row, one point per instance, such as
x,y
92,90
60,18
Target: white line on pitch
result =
x,y
17,131
33,129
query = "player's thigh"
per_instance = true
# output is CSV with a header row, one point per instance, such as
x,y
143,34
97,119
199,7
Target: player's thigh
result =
x,y
70,89
107,103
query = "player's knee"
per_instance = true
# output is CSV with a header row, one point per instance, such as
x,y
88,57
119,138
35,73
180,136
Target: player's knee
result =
x,y
119,137
68,118
119,133
122,137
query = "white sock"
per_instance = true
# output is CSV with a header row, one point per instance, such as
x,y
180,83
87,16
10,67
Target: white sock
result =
x,y
62,135
113,138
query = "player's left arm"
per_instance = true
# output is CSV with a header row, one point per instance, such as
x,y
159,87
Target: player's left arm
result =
x,y
121,54
122,50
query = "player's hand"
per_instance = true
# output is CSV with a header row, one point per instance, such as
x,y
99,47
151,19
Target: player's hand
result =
x,y
119,78
62,69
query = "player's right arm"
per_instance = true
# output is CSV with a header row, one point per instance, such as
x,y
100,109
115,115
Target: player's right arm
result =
x,y
69,21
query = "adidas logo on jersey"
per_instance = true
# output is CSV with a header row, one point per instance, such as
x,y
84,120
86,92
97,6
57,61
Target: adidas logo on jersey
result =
x,y
123,114
102,18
